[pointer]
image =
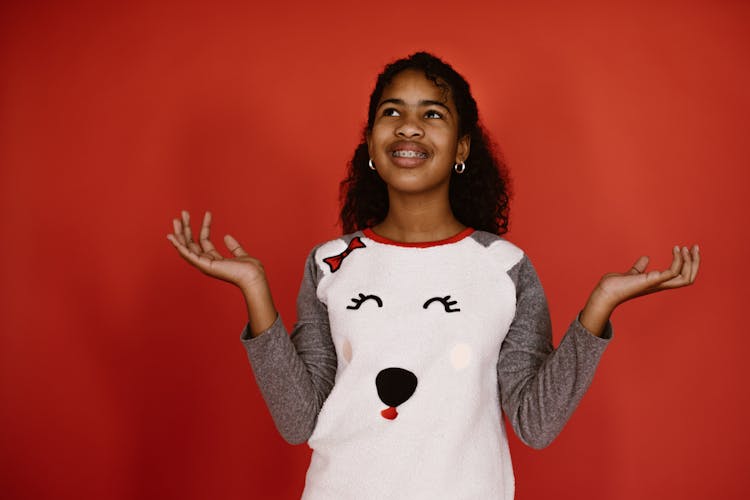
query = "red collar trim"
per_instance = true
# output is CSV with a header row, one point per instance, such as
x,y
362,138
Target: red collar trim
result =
x,y
369,233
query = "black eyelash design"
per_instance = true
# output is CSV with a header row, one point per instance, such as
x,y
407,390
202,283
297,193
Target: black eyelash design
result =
x,y
447,303
362,298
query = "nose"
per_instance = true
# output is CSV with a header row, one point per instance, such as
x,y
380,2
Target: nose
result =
x,y
409,129
395,385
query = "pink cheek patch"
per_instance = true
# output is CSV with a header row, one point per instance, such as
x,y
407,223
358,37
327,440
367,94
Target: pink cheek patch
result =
x,y
460,356
346,351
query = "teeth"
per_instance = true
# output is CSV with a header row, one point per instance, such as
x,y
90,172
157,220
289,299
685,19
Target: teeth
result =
x,y
409,154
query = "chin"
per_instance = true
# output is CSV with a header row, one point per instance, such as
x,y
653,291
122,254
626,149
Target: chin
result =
x,y
417,188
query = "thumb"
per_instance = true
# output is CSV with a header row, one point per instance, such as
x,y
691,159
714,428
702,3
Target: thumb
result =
x,y
640,265
234,246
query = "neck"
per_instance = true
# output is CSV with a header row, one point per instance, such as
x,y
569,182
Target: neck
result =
x,y
416,219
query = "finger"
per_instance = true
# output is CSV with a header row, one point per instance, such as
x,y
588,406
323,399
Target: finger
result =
x,y
682,276
687,265
669,279
177,225
696,263
204,239
677,261
234,246
173,240
639,266
206,227
677,282
187,233
180,246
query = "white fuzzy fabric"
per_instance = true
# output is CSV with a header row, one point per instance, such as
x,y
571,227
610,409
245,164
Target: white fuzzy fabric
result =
x,y
448,440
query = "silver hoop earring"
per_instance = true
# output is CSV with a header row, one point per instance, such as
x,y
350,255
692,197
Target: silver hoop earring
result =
x,y
371,164
459,168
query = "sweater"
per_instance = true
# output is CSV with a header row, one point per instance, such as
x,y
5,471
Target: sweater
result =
x,y
403,359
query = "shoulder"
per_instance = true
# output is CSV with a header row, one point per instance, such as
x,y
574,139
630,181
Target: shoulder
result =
x,y
504,253
514,260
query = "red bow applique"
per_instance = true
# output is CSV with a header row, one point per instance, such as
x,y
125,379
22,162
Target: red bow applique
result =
x,y
335,261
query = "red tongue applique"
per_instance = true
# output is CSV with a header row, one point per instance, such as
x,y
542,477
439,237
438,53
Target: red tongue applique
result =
x,y
390,413
395,386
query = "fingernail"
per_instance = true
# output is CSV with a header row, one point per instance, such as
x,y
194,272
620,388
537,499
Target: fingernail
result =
x,y
676,248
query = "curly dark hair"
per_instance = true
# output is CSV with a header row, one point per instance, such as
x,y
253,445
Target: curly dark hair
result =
x,y
478,198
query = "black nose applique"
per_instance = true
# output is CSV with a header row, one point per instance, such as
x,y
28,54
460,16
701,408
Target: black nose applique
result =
x,y
395,385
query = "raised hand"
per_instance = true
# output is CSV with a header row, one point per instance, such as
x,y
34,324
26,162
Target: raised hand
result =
x,y
615,288
241,269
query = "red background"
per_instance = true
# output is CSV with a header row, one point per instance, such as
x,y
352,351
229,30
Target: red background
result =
x,y
625,125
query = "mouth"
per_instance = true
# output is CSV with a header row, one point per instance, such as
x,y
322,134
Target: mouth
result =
x,y
408,153
402,153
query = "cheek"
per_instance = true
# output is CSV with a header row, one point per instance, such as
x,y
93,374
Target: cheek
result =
x,y
449,143
378,138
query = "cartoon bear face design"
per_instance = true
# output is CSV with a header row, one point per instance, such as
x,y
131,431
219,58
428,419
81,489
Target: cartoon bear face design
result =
x,y
417,332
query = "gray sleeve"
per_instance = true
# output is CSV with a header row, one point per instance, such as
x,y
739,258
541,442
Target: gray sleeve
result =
x,y
541,386
295,374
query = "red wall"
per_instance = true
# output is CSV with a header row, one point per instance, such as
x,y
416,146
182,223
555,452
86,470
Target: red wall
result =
x,y
121,371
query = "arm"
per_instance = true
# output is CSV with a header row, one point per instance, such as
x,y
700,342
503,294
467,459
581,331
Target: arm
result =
x,y
541,386
241,270
295,375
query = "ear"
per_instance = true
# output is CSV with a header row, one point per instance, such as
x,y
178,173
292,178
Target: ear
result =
x,y
463,149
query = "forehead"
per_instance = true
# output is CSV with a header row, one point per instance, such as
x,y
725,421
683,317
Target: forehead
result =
x,y
413,85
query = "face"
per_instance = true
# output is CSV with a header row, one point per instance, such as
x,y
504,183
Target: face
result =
x,y
414,140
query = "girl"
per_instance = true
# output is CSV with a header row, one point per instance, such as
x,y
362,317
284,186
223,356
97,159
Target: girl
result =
x,y
421,324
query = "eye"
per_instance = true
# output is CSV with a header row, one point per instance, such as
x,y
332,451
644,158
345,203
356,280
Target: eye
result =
x,y
446,301
433,114
390,112
357,302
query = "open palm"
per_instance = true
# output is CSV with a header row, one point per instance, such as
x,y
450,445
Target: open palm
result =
x,y
241,269
617,288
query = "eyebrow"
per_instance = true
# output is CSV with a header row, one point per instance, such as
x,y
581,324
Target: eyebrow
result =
x,y
423,103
